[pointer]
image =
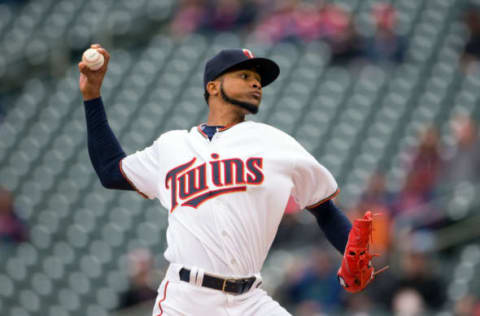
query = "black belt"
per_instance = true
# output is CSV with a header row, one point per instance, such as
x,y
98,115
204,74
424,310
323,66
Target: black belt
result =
x,y
236,286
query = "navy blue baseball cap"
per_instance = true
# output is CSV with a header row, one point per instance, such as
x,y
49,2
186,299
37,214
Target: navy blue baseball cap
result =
x,y
235,59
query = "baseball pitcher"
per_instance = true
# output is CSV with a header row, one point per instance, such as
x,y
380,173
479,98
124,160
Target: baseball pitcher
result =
x,y
226,184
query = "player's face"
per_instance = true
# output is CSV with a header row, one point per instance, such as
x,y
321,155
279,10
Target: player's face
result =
x,y
243,88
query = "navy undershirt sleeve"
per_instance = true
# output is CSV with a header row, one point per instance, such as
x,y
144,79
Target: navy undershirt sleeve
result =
x,y
334,224
103,147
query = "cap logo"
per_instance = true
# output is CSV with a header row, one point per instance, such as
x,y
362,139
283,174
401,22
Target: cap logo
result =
x,y
248,53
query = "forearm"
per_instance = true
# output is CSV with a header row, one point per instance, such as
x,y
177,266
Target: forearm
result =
x,y
334,224
103,147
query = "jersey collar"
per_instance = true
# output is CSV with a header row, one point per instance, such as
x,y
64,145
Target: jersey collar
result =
x,y
219,128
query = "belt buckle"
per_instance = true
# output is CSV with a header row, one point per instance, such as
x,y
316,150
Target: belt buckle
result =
x,y
241,285
224,284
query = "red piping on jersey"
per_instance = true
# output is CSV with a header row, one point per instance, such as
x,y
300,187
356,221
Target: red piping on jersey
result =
x,y
130,182
221,129
200,130
324,200
163,299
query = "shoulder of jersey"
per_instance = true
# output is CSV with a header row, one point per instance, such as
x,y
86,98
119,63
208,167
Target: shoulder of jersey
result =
x,y
172,135
175,132
269,132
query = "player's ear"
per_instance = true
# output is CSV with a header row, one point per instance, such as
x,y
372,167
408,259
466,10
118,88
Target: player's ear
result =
x,y
213,88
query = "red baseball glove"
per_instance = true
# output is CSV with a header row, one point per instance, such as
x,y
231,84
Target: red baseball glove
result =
x,y
356,270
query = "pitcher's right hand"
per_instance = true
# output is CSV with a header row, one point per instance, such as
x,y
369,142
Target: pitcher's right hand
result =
x,y
91,81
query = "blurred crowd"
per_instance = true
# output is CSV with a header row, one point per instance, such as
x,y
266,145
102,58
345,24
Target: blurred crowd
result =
x,y
12,229
471,53
297,21
404,231
143,280
311,288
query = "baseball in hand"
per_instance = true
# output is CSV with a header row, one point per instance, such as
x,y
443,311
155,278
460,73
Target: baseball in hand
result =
x,y
93,59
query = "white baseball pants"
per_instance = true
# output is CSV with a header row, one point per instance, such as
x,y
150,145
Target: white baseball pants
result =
x,y
179,298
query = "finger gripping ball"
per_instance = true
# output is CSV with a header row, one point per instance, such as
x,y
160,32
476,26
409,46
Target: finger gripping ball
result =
x,y
93,59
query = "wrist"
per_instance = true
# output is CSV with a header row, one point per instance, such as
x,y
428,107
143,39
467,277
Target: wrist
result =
x,y
90,96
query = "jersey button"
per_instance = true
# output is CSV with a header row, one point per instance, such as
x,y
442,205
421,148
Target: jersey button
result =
x,y
233,261
224,234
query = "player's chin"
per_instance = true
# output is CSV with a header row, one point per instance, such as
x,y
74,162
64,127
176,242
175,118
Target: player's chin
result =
x,y
255,100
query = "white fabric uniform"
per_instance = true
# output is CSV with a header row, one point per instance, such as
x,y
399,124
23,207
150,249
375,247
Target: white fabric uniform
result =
x,y
225,198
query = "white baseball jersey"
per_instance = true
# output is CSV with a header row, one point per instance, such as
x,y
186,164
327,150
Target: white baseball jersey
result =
x,y
226,196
